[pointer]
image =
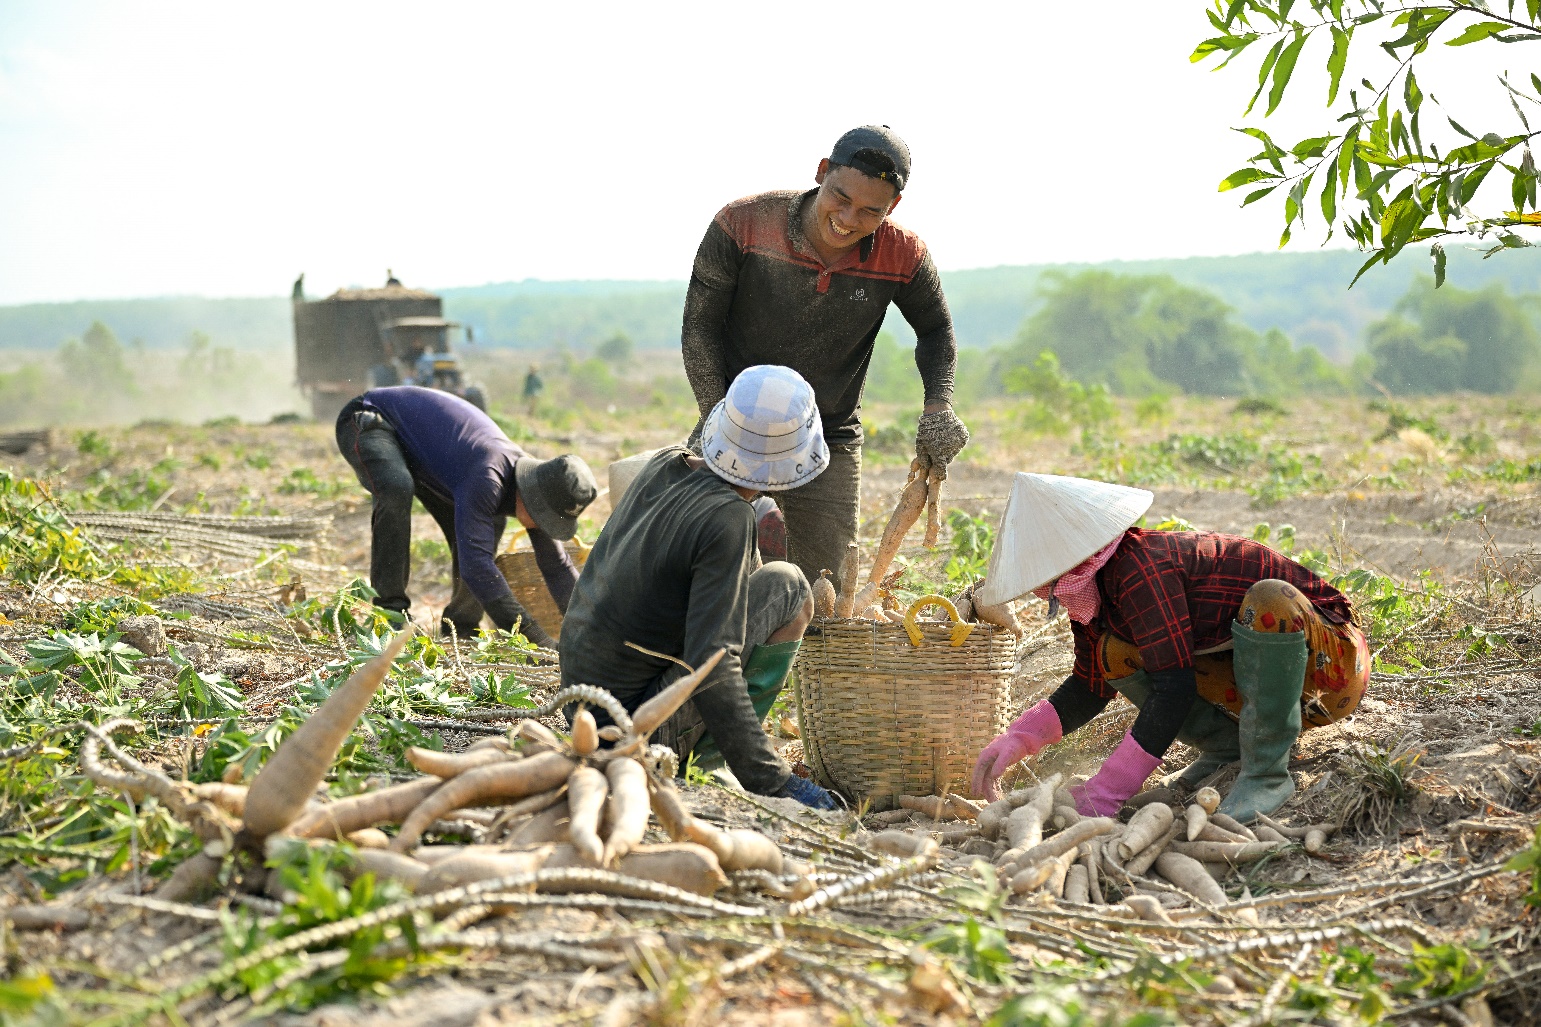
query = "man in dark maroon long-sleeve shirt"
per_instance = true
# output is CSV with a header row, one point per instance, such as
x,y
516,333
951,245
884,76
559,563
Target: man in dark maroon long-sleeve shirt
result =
x,y
407,442
803,279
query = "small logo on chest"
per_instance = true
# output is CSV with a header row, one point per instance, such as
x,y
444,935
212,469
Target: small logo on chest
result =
x,y
859,294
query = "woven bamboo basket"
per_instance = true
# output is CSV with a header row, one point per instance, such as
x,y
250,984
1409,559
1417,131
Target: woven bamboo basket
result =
x,y
901,709
524,580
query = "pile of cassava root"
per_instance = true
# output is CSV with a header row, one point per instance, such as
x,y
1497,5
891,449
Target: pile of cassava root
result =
x,y
565,804
1160,860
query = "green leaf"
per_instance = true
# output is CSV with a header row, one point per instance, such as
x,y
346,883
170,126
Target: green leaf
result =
x,y
1222,44
1282,70
1458,128
1438,253
1472,181
1379,255
1308,148
1245,176
1475,33
1395,211
1262,74
1330,201
1258,194
1337,60
1412,96
1285,238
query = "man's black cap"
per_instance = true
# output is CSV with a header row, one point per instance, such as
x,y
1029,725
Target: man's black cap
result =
x,y
555,492
874,150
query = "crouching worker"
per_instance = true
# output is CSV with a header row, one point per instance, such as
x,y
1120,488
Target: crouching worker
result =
x,y
406,442
674,572
1223,643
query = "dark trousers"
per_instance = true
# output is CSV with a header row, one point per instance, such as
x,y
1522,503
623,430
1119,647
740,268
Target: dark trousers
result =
x,y
725,710
822,515
369,444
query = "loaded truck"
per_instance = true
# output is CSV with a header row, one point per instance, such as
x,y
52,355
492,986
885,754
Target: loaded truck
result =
x,y
358,339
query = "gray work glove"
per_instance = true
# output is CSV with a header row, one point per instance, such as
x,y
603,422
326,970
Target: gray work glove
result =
x,y
940,437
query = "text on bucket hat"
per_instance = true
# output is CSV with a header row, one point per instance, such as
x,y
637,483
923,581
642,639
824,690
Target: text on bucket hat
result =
x,y
766,433
1051,524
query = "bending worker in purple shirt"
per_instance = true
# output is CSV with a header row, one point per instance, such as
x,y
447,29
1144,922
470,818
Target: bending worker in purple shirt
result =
x,y
408,441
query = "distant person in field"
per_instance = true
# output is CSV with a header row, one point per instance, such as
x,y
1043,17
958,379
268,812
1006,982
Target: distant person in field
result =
x,y
1224,644
803,279
674,577
405,442
534,385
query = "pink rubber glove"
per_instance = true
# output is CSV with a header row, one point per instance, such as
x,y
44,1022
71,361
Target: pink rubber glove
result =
x,y
1121,776
1029,733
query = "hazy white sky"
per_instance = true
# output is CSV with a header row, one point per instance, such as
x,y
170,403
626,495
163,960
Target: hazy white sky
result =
x,y
219,149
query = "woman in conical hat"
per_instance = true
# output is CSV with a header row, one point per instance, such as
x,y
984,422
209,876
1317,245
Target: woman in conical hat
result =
x,y
1223,643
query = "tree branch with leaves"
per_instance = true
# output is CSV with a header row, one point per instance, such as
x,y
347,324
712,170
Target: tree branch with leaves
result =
x,y
1375,176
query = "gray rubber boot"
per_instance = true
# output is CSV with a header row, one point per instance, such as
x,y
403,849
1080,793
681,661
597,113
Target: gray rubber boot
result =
x,y
1207,728
1270,675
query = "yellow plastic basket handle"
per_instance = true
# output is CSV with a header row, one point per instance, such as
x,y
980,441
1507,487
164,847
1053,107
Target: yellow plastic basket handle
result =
x,y
960,627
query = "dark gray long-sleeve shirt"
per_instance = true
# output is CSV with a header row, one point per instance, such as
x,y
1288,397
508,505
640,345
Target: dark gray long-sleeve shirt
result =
x,y
670,572
759,294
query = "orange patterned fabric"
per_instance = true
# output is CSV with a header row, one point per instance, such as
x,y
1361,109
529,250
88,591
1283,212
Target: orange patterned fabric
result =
x,y
1337,674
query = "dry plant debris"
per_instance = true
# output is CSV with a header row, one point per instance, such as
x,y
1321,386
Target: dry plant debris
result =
x,y
1411,902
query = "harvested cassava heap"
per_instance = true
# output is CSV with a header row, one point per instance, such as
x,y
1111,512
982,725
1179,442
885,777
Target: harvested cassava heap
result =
x,y
549,861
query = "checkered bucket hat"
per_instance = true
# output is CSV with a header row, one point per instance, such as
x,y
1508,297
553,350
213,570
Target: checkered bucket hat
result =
x,y
766,433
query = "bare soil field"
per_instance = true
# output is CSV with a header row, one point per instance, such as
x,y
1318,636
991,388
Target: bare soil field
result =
x,y
244,542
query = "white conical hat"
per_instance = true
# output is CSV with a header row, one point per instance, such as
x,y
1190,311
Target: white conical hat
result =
x,y
1051,524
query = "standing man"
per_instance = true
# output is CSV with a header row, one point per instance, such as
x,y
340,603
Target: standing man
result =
x,y
803,279
405,442
673,578
534,385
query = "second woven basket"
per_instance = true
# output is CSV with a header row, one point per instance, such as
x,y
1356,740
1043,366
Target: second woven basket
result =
x,y
529,586
890,709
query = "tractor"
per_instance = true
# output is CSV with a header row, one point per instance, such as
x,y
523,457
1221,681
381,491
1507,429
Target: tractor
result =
x,y
358,339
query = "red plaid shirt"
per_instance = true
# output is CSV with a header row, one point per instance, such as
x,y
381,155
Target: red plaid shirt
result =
x,y
1169,593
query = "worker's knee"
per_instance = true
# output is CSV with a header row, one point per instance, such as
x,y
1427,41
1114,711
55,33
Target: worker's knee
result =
x,y
781,599
1274,605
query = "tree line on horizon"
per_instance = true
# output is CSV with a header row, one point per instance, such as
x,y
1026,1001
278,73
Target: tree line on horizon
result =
x,y
1150,335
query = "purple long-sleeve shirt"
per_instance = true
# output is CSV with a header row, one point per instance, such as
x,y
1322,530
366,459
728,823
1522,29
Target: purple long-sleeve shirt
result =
x,y
460,454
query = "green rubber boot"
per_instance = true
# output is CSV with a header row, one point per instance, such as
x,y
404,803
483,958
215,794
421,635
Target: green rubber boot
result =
x,y
1207,728
1270,675
765,672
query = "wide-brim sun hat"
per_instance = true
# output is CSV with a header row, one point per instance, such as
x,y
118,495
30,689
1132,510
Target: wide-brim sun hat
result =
x,y
556,492
1052,523
765,434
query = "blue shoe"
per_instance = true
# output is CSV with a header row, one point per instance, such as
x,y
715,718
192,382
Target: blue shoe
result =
x,y
806,792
